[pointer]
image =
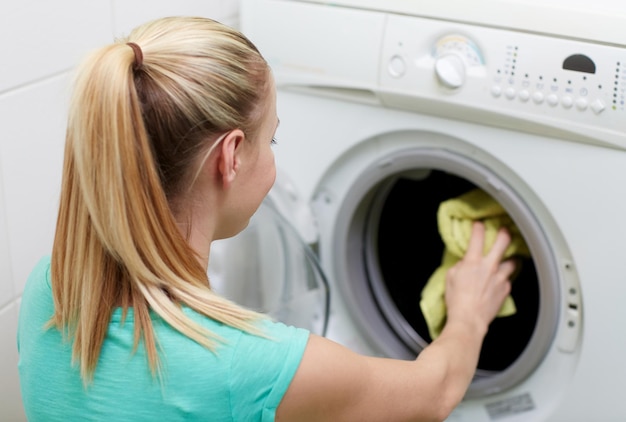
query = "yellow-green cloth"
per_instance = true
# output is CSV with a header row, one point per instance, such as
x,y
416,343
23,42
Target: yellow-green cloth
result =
x,y
455,218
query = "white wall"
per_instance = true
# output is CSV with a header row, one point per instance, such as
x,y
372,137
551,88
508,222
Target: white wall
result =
x,y
40,42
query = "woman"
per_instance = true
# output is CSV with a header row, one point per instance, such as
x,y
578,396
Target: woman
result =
x,y
169,147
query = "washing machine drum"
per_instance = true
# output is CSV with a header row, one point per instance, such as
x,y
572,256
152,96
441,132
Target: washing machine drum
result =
x,y
391,247
409,212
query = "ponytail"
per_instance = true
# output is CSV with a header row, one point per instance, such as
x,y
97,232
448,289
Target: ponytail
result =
x,y
117,243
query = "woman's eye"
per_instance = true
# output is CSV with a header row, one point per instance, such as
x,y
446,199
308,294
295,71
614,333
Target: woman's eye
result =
x,y
274,141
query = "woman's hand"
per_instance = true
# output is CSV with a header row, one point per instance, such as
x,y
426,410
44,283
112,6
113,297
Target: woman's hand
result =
x,y
478,284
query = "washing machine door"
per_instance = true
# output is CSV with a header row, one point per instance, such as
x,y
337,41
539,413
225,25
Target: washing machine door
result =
x,y
271,267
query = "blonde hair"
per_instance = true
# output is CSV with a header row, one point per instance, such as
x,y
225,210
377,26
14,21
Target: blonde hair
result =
x,y
134,133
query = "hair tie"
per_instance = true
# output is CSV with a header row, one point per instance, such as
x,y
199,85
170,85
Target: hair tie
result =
x,y
138,55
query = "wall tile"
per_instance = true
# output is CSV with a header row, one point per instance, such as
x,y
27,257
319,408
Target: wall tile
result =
x,y
229,7
128,14
7,291
40,38
229,10
31,155
10,398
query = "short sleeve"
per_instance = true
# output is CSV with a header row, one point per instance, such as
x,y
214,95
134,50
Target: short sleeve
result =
x,y
262,369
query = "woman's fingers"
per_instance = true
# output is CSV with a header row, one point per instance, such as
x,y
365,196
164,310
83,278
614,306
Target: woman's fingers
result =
x,y
507,268
503,239
477,241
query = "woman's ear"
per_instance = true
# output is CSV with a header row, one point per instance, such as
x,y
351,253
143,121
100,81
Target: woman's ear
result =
x,y
229,157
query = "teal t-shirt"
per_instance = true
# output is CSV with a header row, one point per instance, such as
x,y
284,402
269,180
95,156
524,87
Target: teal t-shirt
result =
x,y
245,379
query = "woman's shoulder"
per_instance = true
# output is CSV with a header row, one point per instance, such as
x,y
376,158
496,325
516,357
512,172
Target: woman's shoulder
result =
x,y
279,348
36,305
38,287
269,331
40,274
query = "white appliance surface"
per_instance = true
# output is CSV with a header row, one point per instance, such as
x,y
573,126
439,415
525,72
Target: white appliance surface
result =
x,y
528,106
602,20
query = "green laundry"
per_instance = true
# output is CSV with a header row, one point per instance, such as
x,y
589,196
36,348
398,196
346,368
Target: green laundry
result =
x,y
455,218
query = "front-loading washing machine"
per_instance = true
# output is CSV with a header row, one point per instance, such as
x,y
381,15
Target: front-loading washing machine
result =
x,y
389,108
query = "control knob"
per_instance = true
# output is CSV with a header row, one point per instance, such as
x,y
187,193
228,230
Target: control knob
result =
x,y
450,70
453,55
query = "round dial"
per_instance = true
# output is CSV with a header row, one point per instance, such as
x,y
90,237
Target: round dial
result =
x,y
453,55
450,70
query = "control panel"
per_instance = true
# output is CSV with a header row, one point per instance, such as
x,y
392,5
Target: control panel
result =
x,y
521,80
573,84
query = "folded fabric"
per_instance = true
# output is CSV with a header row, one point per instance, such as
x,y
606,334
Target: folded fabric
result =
x,y
455,218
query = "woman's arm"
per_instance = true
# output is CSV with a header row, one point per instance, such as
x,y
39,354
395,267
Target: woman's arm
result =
x,y
336,384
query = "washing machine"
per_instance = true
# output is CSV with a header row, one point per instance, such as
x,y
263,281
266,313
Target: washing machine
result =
x,y
388,108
